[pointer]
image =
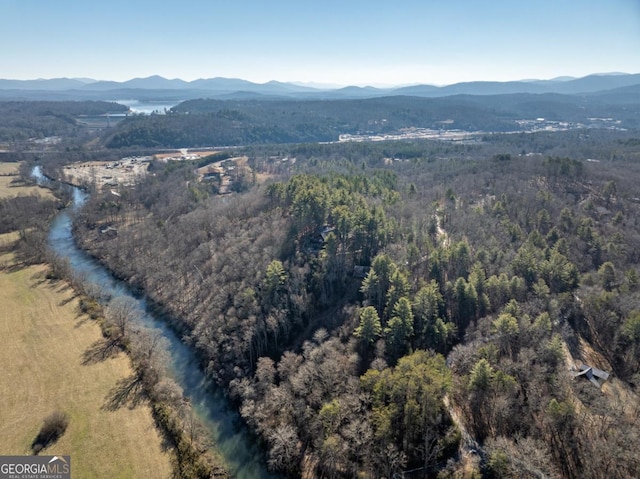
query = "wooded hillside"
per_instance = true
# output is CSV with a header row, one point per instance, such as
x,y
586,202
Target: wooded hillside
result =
x,y
209,122
23,120
373,309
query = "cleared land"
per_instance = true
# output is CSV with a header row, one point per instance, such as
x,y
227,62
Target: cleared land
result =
x,y
44,370
42,357
107,174
8,173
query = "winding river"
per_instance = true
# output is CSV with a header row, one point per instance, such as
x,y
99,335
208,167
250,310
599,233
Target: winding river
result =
x,y
243,458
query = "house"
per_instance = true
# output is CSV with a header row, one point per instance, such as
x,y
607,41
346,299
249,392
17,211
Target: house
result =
x,y
108,231
591,374
324,232
360,272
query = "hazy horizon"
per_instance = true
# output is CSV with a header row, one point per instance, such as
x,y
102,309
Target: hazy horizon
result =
x,y
320,86
341,43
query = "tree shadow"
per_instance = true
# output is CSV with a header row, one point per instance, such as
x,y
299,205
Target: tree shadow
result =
x,y
14,267
167,441
573,343
7,246
127,392
82,318
101,350
53,428
66,301
56,285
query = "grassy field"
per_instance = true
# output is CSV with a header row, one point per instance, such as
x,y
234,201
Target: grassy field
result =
x,y
44,369
9,172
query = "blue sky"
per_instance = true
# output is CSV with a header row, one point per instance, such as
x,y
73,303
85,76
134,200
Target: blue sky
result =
x,y
339,42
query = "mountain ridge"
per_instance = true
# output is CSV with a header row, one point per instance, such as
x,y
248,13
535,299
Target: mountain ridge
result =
x,y
221,86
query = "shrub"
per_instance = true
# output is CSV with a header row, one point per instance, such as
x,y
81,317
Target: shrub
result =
x,y
53,428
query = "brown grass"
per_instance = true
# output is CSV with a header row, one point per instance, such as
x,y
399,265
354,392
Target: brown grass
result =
x,y
9,168
43,340
8,173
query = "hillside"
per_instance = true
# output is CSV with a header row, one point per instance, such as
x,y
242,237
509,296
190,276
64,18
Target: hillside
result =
x,y
378,308
244,122
40,120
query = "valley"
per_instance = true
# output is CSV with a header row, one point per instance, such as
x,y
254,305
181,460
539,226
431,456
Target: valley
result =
x,y
304,240
380,287
45,369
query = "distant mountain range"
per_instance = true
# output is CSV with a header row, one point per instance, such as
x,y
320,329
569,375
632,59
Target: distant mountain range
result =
x,y
158,88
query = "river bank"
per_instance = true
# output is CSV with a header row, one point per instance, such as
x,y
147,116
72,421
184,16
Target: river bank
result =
x,y
241,455
44,370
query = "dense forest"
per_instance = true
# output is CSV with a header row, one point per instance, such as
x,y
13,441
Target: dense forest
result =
x,y
410,307
22,120
272,120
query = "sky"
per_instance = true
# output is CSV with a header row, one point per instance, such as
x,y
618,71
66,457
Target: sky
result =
x,y
348,42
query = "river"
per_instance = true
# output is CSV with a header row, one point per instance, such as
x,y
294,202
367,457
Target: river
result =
x,y
243,458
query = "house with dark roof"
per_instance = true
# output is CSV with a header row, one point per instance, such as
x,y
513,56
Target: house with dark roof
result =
x,y
592,374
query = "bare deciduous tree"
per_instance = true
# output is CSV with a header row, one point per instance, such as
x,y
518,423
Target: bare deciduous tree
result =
x,y
121,312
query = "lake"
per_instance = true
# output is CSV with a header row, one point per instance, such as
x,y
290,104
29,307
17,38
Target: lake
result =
x,y
147,106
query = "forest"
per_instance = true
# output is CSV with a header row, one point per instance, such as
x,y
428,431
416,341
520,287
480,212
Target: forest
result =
x,y
24,120
208,122
409,308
